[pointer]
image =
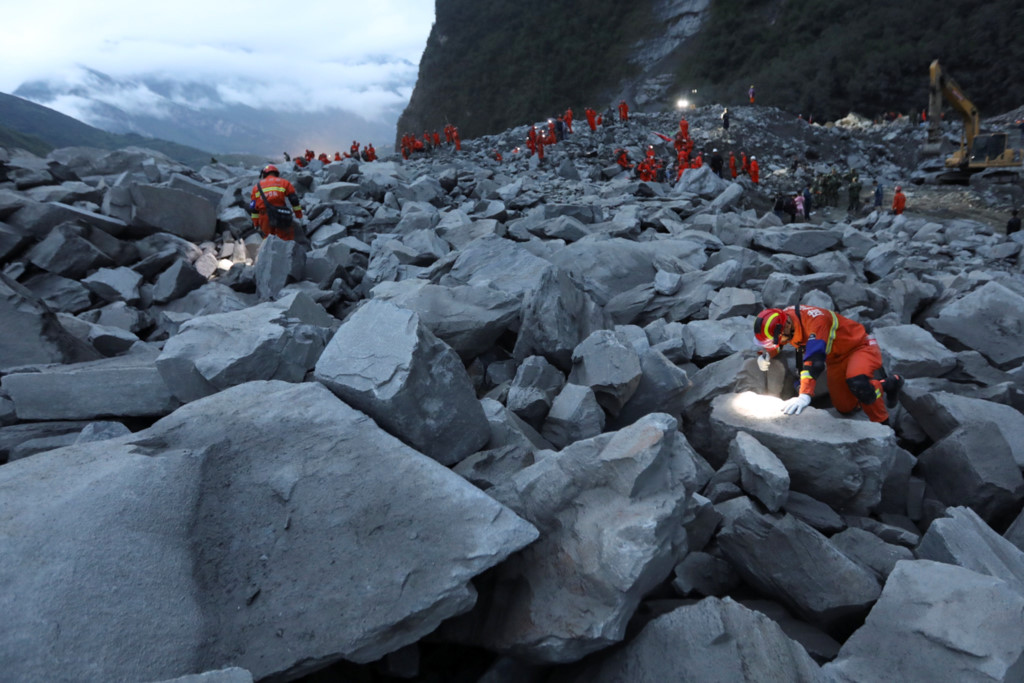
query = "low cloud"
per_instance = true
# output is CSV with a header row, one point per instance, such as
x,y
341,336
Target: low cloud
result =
x,y
312,56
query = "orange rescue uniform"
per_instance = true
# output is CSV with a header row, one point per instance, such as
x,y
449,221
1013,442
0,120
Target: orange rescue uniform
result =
x,y
277,190
850,358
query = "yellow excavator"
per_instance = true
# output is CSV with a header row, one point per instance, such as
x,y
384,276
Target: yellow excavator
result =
x,y
1002,152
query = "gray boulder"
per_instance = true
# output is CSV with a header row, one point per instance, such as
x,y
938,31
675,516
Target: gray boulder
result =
x,y
762,474
278,262
713,641
609,367
964,539
972,466
533,389
788,560
276,340
989,320
31,334
610,512
385,362
913,352
189,547
575,415
123,386
839,461
555,318
468,318
935,621
181,213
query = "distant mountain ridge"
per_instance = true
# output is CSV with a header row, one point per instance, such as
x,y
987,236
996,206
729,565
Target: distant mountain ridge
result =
x,y
195,115
39,130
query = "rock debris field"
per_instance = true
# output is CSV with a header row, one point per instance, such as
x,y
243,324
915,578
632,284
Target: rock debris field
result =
x,y
496,422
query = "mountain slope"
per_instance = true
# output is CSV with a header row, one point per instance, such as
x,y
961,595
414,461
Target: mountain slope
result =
x,y
491,66
57,130
196,115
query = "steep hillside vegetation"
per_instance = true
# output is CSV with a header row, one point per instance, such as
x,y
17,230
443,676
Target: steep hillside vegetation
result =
x,y
830,58
489,66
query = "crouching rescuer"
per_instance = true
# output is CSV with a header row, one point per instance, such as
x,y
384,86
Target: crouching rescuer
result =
x,y
827,342
267,207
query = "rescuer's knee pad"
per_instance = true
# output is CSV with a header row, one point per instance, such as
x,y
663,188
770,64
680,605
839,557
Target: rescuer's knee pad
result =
x,y
861,387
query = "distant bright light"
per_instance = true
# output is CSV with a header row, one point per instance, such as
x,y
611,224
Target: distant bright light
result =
x,y
757,406
682,103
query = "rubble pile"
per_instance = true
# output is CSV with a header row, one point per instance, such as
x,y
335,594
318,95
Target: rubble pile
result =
x,y
492,408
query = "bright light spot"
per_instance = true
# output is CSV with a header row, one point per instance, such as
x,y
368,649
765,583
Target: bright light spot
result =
x,y
758,406
682,103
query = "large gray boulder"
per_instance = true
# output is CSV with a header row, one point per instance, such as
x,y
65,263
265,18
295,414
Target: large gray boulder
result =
x,y
467,318
31,334
940,413
610,512
964,539
496,262
125,386
989,320
913,352
275,340
385,362
937,622
972,466
164,209
609,367
712,641
788,560
839,461
190,546
555,318
791,240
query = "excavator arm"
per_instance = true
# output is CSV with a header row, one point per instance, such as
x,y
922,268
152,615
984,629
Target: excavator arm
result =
x,y
942,87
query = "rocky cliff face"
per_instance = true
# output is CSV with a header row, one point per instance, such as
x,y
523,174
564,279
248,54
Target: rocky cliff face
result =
x,y
491,66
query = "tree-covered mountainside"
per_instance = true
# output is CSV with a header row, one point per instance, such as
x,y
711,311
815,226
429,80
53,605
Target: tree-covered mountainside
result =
x,y
26,124
829,58
489,66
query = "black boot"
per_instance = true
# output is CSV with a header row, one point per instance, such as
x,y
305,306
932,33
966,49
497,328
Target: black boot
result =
x,y
891,385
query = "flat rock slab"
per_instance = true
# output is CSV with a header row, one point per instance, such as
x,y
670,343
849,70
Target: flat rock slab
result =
x,y
712,640
937,622
839,461
216,538
124,386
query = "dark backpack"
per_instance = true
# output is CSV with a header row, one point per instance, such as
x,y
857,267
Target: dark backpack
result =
x,y
279,216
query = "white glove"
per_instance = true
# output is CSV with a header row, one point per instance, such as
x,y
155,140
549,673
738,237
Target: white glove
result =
x,y
794,405
764,361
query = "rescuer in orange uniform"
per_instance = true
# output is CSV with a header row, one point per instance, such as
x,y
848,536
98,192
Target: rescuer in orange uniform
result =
x,y
840,347
623,111
732,165
277,190
755,170
591,118
899,201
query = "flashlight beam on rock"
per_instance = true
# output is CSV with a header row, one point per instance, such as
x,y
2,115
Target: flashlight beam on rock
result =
x,y
758,406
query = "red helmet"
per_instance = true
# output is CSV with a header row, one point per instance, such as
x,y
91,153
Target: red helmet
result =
x,y
269,169
899,189
768,327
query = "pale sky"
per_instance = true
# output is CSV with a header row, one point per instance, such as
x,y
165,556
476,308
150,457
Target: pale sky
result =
x,y
309,54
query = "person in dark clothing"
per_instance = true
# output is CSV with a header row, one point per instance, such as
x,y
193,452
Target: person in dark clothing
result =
x,y
725,119
789,206
717,163
1013,225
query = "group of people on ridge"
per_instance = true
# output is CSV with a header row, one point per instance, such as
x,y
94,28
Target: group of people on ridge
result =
x,y
368,153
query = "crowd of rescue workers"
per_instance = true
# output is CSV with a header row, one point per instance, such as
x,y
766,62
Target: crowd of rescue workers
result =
x,y
825,342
